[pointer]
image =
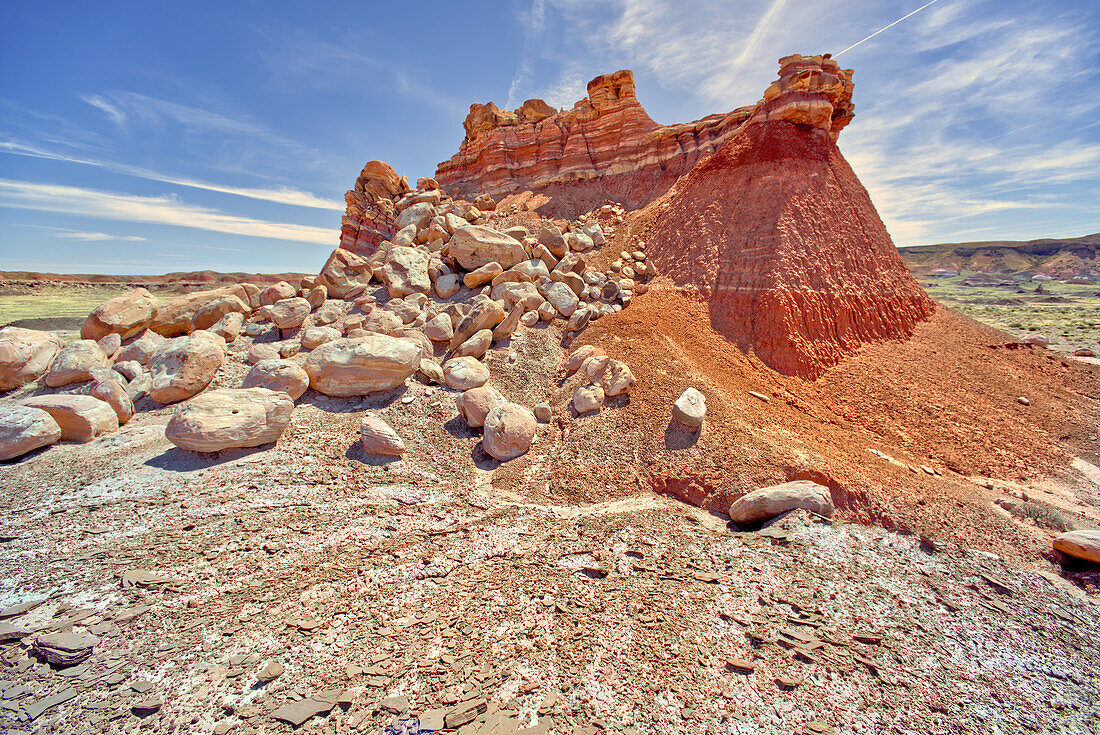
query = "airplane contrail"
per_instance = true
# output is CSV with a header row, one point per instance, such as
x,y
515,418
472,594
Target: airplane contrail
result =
x,y
880,30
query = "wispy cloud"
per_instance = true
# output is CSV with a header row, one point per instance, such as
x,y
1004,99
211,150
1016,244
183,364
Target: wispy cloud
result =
x,y
280,195
116,115
97,236
164,210
533,23
327,63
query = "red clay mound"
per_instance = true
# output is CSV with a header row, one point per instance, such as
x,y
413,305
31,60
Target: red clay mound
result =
x,y
776,230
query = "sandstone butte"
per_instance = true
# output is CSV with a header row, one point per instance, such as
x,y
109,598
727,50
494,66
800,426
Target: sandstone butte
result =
x,y
756,209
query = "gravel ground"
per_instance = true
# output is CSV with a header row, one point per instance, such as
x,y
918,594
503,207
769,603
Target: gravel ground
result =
x,y
389,594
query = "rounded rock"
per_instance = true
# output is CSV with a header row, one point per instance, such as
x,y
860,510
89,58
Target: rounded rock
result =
x,y
509,431
464,373
278,374
768,502
230,417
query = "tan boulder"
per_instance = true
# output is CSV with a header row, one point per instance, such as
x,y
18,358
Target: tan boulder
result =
x,y
114,394
464,373
616,378
110,344
316,296
475,346
1080,544
213,310
588,398
290,313
485,314
230,417
406,272
768,502
509,324
474,246
75,363
124,315
25,355
185,366
24,429
690,408
261,351
251,294
175,317
439,328
278,374
431,371
362,365
509,431
480,276
229,326
473,405
276,292
378,437
142,349
574,361
314,337
80,418
447,285
345,274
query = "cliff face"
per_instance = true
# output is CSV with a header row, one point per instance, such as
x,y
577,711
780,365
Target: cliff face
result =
x,y
606,147
780,237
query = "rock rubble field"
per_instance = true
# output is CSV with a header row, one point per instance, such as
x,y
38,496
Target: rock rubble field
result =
x,y
497,471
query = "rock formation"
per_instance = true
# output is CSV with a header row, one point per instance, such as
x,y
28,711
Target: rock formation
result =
x,y
606,147
369,217
780,237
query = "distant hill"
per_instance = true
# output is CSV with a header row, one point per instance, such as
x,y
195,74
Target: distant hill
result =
x,y
211,277
1074,258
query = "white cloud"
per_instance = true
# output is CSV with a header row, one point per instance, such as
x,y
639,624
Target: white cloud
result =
x,y
71,200
533,23
117,115
280,195
96,236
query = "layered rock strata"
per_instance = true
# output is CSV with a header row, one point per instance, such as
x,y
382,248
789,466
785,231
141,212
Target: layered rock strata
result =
x,y
605,147
780,237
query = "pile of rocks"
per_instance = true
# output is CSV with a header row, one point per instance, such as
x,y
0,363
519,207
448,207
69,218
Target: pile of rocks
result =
x,y
433,300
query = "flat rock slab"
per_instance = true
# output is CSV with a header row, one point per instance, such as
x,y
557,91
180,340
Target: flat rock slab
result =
x,y
296,713
1080,544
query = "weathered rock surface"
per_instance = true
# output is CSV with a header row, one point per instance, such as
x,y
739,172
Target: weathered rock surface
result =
x,y
212,311
75,363
125,315
184,366
230,417
314,337
290,313
378,437
406,272
24,429
797,267
616,378
475,404
142,349
80,418
690,408
474,246
588,398
25,355
605,147
464,373
345,274
65,648
114,394
1080,544
176,317
768,502
362,365
368,219
509,431
278,374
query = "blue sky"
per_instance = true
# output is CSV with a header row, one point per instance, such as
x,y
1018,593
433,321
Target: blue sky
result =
x,y
150,137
